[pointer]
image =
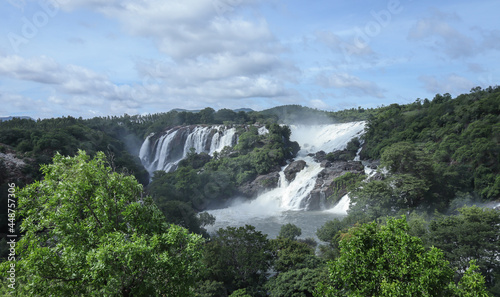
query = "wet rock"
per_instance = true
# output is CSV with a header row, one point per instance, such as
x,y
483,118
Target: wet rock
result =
x,y
260,184
293,168
320,156
326,191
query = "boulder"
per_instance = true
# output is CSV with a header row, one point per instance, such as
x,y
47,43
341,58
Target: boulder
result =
x,y
320,156
293,168
260,184
326,186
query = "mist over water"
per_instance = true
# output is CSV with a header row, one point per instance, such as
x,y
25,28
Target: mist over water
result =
x,y
268,217
285,204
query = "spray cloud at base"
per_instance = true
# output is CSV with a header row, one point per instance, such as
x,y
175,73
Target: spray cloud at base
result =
x,y
286,203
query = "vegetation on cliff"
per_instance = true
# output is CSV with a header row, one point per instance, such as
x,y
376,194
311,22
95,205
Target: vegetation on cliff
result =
x,y
438,155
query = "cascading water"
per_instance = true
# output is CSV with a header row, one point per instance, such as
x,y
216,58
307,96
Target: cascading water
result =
x,y
169,149
281,205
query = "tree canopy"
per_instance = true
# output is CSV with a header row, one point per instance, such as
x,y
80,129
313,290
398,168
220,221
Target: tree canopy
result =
x,y
89,231
386,261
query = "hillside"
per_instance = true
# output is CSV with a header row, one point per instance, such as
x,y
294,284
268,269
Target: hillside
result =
x,y
438,155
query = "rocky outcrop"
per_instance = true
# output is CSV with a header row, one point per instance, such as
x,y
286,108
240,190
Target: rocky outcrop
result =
x,y
260,184
319,156
292,169
12,166
326,186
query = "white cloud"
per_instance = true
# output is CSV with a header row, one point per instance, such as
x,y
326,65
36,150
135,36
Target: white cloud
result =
x,y
211,52
453,84
67,79
14,100
353,84
437,28
352,47
201,84
319,104
187,29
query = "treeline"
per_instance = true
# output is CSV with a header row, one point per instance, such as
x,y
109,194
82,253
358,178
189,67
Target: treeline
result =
x,y
458,138
438,155
92,232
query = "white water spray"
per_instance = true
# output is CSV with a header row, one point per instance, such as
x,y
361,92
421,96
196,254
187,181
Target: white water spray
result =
x,y
282,205
174,145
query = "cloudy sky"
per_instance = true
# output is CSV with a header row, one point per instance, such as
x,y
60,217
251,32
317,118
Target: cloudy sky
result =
x,y
108,57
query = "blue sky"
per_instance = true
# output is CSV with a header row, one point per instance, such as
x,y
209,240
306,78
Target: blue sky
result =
x,y
107,57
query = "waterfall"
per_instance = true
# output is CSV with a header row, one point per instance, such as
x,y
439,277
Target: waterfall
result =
x,y
294,195
222,139
291,195
164,152
272,209
325,138
342,206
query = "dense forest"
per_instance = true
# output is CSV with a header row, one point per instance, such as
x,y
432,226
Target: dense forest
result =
x,y
94,223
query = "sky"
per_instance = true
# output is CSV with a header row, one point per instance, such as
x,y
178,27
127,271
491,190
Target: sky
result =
x,y
87,58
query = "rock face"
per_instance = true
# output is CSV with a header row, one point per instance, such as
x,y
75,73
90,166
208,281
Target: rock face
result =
x,y
260,184
292,169
11,166
326,185
319,156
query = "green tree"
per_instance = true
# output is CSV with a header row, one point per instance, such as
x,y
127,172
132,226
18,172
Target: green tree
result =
x,y
240,293
470,235
88,231
206,115
472,283
296,283
290,231
330,232
387,261
290,254
373,200
238,257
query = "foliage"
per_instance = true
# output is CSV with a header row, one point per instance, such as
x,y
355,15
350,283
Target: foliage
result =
x,y
472,283
343,184
374,200
458,136
240,293
331,233
89,231
239,258
210,288
470,235
290,231
296,283
297,268
296,114
41,139
387,261
290,255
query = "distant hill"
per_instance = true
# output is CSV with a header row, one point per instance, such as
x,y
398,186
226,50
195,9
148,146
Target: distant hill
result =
x,y
184,110
243,109
197,110
3,119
